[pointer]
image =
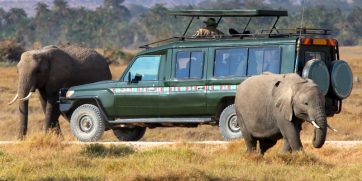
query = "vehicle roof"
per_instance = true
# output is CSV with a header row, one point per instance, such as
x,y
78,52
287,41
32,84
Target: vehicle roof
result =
x,y
218,43
229,13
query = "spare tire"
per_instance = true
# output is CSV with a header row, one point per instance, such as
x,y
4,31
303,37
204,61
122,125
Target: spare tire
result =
x,y
341,79
317,71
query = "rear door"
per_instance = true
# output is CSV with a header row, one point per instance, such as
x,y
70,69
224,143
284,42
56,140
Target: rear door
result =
x,y
185,91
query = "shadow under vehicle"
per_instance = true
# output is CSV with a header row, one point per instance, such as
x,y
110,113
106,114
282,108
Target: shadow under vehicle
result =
x,y
188,81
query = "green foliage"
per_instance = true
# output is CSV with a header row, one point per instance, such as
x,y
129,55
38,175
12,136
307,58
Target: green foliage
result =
x,y
113,25
99,150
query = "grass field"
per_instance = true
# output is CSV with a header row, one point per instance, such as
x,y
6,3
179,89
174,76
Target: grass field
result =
x,y
44,157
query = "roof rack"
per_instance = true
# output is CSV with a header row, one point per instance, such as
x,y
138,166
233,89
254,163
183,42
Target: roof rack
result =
x,y
263,34
228,13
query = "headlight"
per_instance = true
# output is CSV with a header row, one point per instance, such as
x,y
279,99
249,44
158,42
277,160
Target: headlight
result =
x,y
69,93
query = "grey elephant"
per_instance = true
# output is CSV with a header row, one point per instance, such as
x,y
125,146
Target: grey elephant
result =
x,y
273,106
49,69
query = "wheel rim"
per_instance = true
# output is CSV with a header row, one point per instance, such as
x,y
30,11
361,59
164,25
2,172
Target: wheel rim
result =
x,y
233,124
86,123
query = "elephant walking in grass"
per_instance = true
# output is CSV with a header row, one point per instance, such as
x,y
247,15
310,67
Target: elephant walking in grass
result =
x,y
273,106
49,69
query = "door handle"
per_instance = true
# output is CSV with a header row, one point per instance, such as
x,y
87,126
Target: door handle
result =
x,y
200,88
151,89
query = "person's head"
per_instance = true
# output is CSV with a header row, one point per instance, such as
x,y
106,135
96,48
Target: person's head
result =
x,y
210,22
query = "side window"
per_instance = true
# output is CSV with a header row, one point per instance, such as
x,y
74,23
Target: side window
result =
x,y
189,65
263,60
230,62
271,60
147,66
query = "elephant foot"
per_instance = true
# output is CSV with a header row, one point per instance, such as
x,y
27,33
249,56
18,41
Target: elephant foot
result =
x,y
54,131
21,137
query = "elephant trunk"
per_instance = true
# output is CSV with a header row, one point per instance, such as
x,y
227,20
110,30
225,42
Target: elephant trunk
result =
x,y
320,133
25,88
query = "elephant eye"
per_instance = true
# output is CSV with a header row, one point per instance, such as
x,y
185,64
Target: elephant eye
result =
x,y
306,103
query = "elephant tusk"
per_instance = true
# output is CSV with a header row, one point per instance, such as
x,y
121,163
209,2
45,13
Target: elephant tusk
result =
x,y
331,128
14,99
27,97
315,125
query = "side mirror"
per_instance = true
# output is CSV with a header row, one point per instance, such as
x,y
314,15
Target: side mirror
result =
x,y
137,78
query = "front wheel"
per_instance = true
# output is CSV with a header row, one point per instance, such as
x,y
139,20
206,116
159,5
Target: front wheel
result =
x,y
129,133
86,123
228,124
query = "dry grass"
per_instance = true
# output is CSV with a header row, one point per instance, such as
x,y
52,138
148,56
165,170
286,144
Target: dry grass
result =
x,y
26,161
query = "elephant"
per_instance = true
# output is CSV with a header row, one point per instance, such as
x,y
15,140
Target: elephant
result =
x,y
274,106
49,69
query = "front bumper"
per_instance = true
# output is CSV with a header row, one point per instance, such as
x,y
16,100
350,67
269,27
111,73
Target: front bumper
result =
x,y
65,107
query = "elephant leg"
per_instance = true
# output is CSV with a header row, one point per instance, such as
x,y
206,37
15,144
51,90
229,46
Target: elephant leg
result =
x,y
52,115
250,143
265,144
286,147
291,134
43,100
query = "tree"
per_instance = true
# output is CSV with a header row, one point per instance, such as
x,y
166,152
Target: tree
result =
x,y
355,20
116,10
60,7
41,9
15,15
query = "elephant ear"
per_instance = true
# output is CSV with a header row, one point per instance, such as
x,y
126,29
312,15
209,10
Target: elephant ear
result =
x,y
283,96
43,58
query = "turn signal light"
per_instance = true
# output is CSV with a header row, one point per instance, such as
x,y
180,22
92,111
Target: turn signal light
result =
x,y
332,42
307,41
319,41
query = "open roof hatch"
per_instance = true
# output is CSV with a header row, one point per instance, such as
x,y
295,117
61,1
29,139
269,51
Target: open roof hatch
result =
x,y
229,13
240,13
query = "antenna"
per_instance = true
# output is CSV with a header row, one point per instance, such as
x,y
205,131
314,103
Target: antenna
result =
x,y
300,35
302,19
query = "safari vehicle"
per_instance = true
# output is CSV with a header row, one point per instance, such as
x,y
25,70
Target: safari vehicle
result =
x,y
188,81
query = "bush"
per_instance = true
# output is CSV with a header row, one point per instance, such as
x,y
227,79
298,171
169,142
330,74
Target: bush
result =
x,y
116,56
99,150
10,51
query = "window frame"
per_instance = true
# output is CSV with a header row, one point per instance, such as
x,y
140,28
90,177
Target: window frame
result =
x,y
230,76
189,51
265,48
125,74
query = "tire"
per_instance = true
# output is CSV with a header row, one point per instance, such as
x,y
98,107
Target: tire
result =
x,y
129,133
228,124
86,123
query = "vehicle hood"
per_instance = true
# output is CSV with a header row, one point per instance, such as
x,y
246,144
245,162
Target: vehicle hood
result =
x,y
95,86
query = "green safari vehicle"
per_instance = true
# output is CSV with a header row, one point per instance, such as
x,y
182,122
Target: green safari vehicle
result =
x,y
191,80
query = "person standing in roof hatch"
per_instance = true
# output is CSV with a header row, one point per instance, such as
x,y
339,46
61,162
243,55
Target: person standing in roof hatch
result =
x,y
210,29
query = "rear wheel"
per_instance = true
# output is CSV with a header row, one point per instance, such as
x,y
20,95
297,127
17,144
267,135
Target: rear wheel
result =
x,y
228,124
129,133
86,123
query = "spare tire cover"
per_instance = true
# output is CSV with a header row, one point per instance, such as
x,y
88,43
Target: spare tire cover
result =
x,y
317,71
341,79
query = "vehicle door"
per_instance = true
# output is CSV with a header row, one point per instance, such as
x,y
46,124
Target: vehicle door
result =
x,y
137,92
186,93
